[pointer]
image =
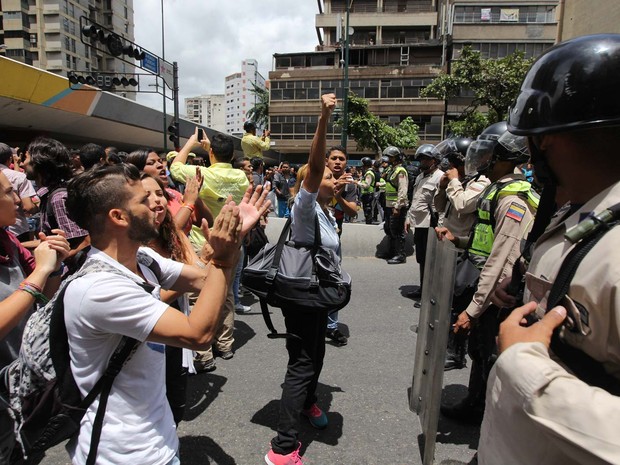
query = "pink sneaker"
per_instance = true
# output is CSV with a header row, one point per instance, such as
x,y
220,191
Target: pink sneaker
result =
x,y
316,416
289,459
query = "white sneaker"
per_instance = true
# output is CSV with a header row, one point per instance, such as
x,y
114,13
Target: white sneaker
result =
x,y
240,308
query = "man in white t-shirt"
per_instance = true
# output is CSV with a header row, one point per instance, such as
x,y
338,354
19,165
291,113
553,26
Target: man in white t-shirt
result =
x,y
102,307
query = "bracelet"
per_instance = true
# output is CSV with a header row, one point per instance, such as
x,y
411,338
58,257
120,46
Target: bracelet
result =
x,y
31,285
58,272
220,264
191,207
30,289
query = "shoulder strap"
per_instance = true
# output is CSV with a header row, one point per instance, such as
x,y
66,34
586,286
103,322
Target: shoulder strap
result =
x,y
581,364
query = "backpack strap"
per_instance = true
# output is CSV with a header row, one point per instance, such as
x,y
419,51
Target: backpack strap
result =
x,y
586,368
121,355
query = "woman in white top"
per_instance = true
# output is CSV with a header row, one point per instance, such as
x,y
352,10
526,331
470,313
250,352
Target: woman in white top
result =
x,y
306,352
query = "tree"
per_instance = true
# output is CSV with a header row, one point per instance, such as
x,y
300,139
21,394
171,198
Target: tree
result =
x,y
259,113
494,83
372,133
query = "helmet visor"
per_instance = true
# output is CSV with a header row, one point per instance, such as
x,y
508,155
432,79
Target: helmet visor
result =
x,y
446,147
514,144
479,156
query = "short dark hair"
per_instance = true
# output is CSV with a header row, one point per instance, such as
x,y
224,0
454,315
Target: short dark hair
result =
x,y
6,153
257,162
50,161
90,155
337,148
92,194
223,148
249,126
138,158
238,161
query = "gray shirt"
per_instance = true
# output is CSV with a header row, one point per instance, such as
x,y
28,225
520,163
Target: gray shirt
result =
x,y
304,210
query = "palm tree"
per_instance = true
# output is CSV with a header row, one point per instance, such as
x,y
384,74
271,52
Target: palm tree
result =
x,y
259,113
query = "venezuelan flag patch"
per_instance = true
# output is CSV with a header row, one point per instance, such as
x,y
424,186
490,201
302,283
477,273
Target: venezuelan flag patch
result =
x,y
516,212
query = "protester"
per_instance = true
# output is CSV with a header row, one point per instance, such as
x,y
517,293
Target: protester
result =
x,y
110,202
252,145
307,350
25,279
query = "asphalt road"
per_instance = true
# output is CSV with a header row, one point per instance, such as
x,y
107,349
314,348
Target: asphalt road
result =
x,y
232,412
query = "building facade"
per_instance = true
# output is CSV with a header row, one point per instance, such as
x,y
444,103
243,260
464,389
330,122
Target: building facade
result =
x,y
46,33
394,53
239,96
207,110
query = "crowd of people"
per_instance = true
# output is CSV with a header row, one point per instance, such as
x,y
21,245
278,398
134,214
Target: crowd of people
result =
x,y
171,237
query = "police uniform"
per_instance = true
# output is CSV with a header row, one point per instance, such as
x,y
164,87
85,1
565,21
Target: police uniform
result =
x,y
537,411
396,197
368,195
458,203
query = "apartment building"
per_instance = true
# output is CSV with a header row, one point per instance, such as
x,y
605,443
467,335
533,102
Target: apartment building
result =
x,y
394,52
46,33
239,97
207,110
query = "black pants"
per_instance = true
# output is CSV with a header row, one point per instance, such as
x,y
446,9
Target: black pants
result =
x,y
394,227
305,362
483,352
368,204
420,239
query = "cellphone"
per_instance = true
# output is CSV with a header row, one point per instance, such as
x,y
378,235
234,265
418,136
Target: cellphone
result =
x,y
201,134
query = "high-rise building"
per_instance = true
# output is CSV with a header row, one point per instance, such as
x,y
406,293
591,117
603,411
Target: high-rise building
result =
x,y
239,96
46,33
207,110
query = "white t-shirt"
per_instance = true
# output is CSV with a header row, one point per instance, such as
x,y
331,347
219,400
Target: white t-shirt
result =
x,y
100,308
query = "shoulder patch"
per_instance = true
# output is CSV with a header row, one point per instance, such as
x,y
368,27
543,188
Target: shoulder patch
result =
x,y
516,212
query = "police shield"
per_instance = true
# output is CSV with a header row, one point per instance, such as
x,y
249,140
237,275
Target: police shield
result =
x,y
432,339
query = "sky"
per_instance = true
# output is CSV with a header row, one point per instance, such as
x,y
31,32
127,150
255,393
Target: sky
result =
x,y
210,38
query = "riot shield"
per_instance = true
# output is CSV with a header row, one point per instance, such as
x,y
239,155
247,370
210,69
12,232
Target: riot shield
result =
x,y
433,328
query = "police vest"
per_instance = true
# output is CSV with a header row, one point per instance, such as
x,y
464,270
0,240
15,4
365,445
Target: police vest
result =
x,y
391,187
484,232
371,188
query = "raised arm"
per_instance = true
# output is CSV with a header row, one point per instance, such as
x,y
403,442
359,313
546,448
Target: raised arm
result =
x,y
316,160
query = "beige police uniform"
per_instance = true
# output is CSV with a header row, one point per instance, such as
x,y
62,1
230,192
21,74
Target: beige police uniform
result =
x,y
458,204
419,214
536,411
506,246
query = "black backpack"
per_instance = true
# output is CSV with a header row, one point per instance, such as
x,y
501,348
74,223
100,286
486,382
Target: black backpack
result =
x,y
44,400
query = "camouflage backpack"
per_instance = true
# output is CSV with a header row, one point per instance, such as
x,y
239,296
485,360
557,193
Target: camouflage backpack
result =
x,y
44,400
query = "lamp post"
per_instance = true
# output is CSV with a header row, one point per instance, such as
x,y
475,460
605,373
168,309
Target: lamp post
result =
x,y
163,56
345,81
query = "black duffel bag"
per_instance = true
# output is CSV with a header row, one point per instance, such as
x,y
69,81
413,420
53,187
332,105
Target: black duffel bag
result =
x,y
308,279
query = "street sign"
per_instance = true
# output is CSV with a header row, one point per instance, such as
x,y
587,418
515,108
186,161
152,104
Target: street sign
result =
x,y
150,63
166,71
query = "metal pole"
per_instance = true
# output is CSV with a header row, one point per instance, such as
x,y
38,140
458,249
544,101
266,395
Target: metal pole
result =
x,y
175,94
345,84
163,57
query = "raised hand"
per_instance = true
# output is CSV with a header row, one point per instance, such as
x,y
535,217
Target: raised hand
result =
x,y
225,237
252,207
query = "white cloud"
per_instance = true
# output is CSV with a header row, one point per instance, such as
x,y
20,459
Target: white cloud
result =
x,y
209,39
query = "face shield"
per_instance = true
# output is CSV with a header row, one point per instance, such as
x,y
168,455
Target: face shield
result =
x,y
479,156
446,147
515,146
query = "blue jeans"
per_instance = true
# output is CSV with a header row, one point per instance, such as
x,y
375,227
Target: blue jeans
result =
x,y
332,321
175,460
283,211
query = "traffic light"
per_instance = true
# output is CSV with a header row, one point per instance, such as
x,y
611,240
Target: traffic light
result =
x,y
112,43
105,81
173,133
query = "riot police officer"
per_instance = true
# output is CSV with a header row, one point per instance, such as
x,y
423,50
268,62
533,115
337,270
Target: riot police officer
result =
x,y
368,184
505,212
555,388
396,203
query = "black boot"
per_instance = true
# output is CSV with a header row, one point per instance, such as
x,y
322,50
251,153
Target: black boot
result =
x,y
468,410
455,355
397,259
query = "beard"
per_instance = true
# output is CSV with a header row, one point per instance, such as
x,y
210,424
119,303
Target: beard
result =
x,y
141,229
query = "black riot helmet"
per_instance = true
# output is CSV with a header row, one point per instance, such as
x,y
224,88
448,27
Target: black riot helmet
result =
x,y
454,149
571,86
392,151
512,148
367,161
427,150
480,153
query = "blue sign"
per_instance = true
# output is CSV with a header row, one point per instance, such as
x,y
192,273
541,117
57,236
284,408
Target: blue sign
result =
x,y
150,63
